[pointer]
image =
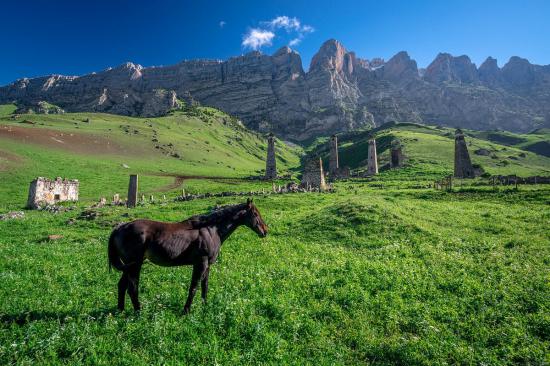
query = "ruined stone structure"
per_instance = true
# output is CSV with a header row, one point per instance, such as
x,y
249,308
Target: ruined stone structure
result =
x,y
313,176
372,165
132,191
333,159
396,154
271,163
334,170
463,164
44,191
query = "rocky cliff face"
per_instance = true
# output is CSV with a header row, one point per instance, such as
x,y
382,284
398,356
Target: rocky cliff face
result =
x,y
340,91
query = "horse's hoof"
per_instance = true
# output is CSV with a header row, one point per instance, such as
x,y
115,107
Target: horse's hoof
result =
x,y
186,311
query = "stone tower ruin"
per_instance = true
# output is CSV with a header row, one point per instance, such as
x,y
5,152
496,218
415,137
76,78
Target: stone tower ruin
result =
x,y
333,159
396,154
463,164
44,191
372,165
313,176
271,163
335,171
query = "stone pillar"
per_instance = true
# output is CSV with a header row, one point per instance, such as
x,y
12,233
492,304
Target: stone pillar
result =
x,y
372,167
396,154
463,164
396,157
333,160
313,176
270,164
132,191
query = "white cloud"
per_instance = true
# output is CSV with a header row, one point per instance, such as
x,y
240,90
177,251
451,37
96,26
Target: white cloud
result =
x,y
264,35
307,29
222,23
285,22
294,42
289,24
256,38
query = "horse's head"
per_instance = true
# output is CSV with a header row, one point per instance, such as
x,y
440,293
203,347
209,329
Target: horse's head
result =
x,y
254,220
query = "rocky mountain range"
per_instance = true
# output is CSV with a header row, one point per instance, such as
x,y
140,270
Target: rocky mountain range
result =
x,y
339,92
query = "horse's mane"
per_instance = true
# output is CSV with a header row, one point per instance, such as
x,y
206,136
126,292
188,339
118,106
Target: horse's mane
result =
x,y
214,217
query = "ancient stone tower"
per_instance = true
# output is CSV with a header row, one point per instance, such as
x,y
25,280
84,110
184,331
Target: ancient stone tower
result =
x,y
372,164
396,154
270,164
313,176
463,164
333,159
44,191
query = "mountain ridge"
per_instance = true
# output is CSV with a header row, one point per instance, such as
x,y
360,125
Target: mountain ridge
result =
x,y
340,91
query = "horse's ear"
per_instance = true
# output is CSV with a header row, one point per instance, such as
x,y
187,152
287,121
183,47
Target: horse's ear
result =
x,y
249,202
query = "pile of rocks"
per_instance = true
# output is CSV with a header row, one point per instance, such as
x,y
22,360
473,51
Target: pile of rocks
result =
x,y
12,215
55,209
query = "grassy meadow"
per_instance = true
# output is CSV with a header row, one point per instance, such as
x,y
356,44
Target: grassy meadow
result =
x,y
384,271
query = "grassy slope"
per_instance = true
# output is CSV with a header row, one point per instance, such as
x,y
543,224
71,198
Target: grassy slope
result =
x,y
209,143
430,151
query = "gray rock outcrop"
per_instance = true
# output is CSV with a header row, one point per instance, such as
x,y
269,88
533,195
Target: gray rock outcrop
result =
x,y
340,92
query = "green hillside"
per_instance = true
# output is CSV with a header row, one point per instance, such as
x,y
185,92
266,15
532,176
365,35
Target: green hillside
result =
x,y
382,271
429,150
101,150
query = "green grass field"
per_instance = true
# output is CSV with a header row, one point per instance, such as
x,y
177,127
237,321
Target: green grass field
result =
x,y
384,271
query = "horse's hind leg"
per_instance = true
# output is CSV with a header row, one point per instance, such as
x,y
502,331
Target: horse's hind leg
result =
x,y
199,270
133,285
122,287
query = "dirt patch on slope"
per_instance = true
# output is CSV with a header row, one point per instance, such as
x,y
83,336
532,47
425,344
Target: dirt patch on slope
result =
x,y
69,141
9,160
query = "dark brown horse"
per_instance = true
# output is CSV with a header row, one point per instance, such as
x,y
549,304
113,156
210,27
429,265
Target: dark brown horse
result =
x,y
195,241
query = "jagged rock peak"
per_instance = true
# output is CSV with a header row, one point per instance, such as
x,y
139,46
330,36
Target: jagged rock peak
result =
x,y
129,66
330,56
516,61
400,66
518,72
253,54
489,64
284,51
489,71
446,67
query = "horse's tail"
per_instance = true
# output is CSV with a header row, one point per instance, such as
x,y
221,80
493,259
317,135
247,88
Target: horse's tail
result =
x,y
113,257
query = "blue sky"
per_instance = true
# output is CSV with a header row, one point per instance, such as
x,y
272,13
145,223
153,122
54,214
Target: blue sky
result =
x,y
77,37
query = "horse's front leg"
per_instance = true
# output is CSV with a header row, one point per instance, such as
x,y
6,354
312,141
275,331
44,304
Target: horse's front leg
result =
x,y
204,284
198,272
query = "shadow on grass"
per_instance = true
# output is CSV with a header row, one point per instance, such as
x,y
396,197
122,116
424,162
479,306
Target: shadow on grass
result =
x,y
62,317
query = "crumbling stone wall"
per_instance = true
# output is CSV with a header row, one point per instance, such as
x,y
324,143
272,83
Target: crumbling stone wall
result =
x,y
271,163
313,176
372,162
463,164
44,191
